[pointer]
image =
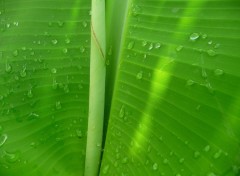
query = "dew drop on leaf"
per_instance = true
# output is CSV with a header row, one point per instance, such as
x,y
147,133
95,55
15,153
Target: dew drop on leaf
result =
x,y
150,46
84,23
33,144
181,160
206,148
196,154
217,154
217,45
54,84
165,161
218,72
110,51
144,43
3,139
194,36
67,41
211,174
65,50
190,82
122,111
8,68
105,169
204,36
155,166
211,52
130,45
58,105
60,23
82,49
157,45
54,41
54,70
139,75
204,74
15,53
210,42
179,48
23,72
136,10
79,133
12,157
125,160
29,93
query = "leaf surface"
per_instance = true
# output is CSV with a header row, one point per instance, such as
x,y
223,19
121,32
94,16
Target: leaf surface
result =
x,y
175,106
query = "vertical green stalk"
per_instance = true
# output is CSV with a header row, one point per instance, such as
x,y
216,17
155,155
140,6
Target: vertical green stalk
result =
x,y
97,89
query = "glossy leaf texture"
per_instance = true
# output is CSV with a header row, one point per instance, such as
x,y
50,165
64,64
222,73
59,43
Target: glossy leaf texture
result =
x,y
175,107
44,85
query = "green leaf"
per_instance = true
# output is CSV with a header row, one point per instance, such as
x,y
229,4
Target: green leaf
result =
x,y
44,84
175,107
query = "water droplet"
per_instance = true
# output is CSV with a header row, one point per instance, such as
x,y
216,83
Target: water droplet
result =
x,y
122,111
196,154
125,160
82,49
3,139
178,174
33,144
80,86
60,23
218,72
209,87
149,149
12,157
79,133
136,10
217,45
194,36
211,174
15,53
29,93
211,52
66,89
139,75
58,105
54,41
110,51
190,82
217,154
144,43
210,42
49,24
107,62
179,48
105,169
54,84
54,70
23,72
67,41
150,46
155,166
65,50
181,161
204,36
130,45
157,45
165,161
84,23
8,68
206,148
204,74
